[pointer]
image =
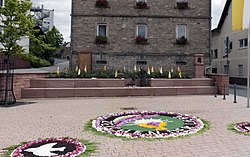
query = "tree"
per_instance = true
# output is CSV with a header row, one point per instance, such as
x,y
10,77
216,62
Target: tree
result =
x,y
40,49
44,45
54,37
17,23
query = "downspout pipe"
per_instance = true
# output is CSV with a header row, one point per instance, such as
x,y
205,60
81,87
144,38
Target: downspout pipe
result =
x,y
210,38
71,41
210,31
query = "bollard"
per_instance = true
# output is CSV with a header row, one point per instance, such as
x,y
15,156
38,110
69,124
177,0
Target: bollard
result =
x,y
235,94
215,89
224,94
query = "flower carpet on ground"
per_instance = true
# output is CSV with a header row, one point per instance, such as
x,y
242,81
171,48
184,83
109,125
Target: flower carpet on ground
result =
x,y
243,127
146,124
56,147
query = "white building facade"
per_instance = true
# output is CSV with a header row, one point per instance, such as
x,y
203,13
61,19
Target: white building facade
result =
x,y
46,16
233,63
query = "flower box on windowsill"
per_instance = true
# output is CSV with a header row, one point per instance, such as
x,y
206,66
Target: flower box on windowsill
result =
x,y
141,5
102,4
181,41
141,40
182,5
101,40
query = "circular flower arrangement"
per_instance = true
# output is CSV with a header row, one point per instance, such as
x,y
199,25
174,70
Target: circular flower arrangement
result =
x,y
57,147
146,124
243,127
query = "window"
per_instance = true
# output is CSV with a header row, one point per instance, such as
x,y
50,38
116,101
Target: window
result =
x,y
243,43
102,30
241,70
181,31
1,2
141,31
215,54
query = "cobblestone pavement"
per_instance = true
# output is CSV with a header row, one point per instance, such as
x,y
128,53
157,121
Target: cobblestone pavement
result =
x,y
66,117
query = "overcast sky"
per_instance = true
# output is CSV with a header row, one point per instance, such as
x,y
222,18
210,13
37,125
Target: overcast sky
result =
x,y
63,9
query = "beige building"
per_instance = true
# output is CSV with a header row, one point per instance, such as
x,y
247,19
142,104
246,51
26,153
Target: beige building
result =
x,y
235,63
119,33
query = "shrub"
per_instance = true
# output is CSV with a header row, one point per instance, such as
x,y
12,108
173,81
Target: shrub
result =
x,y
187,75
36,62
51,61
111,74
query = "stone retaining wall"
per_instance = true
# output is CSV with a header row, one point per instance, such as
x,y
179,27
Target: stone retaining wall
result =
x,y
22,80
18,62
221,79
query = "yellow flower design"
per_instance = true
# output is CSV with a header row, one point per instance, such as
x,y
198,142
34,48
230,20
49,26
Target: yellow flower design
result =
x,y
160,127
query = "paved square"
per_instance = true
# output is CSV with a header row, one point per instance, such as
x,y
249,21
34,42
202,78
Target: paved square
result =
x,y
66,117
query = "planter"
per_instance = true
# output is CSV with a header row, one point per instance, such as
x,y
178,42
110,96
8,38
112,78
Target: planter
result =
x,y
141,40
181,41
101,40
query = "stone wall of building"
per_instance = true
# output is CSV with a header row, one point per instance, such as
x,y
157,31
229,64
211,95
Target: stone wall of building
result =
x,y
197,8
121,18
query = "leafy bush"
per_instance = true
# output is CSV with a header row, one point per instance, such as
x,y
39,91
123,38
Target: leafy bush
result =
x,y
36,62
111,74
187,75
51,61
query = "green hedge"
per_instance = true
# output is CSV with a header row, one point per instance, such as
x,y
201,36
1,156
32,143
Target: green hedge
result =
x,y
111,74
36,62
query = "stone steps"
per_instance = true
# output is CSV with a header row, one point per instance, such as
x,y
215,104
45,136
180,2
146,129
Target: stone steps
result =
x,y
83,83
115,91
60,88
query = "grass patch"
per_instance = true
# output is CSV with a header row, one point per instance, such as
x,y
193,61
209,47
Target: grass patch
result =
x,y
88,127
90,148
231,128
